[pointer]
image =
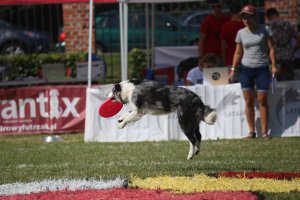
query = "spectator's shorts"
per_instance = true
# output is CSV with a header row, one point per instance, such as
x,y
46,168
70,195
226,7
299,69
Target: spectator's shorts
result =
x,y
258,78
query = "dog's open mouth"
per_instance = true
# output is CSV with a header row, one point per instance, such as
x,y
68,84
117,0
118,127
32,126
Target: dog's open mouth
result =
x,y
112,98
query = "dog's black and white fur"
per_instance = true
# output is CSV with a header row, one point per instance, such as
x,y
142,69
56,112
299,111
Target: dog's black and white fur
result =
x,y
150,97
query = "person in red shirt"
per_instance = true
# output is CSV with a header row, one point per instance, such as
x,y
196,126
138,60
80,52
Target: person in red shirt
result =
x,y
228,34
210,30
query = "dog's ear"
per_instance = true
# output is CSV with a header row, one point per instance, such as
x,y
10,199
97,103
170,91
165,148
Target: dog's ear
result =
x,y
115,90
117,87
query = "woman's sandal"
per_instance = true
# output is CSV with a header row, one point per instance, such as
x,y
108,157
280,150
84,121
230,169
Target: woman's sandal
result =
x,y
266,136
251,135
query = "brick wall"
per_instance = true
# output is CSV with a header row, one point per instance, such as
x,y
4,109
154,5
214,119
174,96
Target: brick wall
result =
x,y
76,26
288,9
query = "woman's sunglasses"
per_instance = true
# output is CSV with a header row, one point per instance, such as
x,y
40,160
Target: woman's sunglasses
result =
x,y
247,17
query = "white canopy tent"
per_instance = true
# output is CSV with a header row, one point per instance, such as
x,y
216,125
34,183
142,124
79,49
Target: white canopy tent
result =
x,y
123,9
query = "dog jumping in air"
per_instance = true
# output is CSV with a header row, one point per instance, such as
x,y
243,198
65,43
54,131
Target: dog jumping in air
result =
x,y
151,97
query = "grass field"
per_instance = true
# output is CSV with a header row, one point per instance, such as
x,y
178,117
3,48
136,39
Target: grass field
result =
x,y
28,158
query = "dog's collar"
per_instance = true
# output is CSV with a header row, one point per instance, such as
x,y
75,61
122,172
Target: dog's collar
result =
x,y
120,98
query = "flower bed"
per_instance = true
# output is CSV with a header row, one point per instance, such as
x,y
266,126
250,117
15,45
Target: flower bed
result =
x,y
225,185
269,175
125,194
204,183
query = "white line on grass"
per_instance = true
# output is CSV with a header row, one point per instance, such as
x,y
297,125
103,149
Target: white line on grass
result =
x,y
59,184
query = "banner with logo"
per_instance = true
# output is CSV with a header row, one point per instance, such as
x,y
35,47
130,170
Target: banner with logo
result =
x,y
42,109
284,114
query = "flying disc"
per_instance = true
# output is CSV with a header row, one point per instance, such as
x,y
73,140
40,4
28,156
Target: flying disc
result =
x,y
109,108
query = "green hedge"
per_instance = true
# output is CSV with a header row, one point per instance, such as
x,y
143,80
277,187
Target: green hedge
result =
x,y
30,64
137,62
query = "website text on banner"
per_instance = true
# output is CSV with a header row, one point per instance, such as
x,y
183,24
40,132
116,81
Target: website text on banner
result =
x,y
42,109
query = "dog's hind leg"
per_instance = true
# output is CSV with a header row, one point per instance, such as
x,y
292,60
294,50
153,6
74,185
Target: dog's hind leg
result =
x,y
192,140
197,147
189,123
198,142
191,151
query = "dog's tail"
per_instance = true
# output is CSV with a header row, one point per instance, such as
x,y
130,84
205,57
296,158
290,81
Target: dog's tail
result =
x,y
210,115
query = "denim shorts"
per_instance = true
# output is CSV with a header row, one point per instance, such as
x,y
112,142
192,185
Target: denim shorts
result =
x,y
258,78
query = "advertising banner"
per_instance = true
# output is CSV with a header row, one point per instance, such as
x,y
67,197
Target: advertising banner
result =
x,y
42,109
284,116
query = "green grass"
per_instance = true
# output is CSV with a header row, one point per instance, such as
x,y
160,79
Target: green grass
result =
x,y
28,158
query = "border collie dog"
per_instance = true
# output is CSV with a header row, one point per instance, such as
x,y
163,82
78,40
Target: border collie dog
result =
x,y
151,97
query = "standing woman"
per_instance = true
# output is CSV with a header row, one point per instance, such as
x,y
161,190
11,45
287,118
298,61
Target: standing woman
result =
x,y
254,51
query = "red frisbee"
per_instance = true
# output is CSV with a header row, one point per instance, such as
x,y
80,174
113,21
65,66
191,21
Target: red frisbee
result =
x,y
109,108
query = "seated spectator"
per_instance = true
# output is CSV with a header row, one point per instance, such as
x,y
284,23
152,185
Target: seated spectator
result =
x,y
184,67
195,75
283,33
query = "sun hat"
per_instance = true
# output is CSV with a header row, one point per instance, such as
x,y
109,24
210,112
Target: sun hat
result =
x,y
249,9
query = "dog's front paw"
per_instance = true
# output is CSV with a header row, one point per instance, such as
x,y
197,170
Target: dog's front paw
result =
x,y
121,124
123,117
